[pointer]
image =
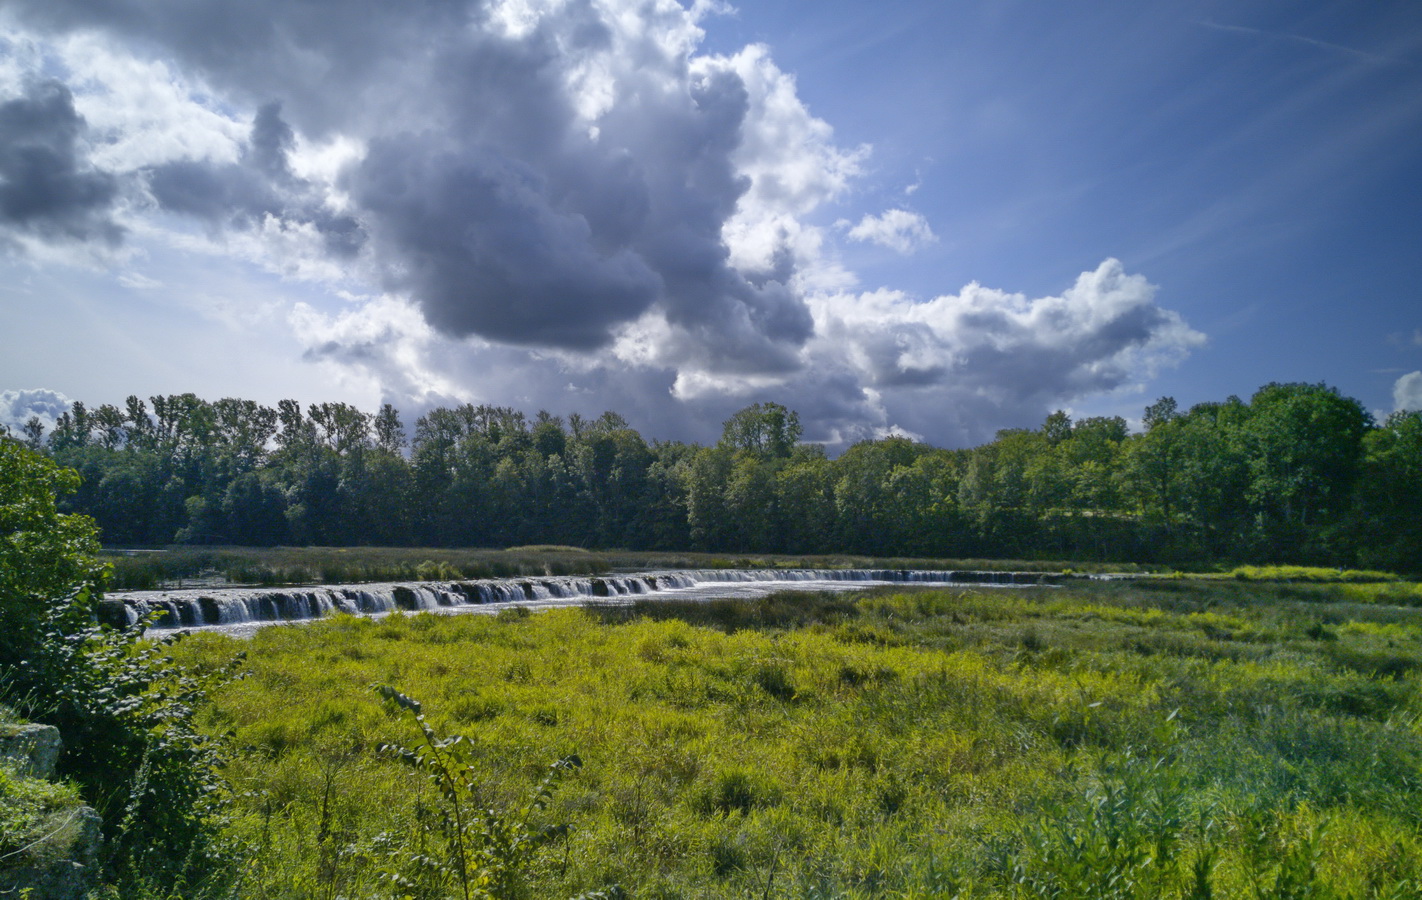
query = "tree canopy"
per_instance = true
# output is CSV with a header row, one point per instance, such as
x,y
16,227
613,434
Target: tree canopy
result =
x,y
1299,473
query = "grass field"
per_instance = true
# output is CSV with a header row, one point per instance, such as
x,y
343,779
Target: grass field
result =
x,y
1175,738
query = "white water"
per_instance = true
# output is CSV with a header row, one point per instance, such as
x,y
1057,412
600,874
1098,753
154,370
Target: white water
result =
x,y
243,610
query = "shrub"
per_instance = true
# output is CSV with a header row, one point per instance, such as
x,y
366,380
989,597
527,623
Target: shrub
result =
x,y
125,710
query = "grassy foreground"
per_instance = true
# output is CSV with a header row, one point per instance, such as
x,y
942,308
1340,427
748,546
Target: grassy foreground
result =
x,y
1173,738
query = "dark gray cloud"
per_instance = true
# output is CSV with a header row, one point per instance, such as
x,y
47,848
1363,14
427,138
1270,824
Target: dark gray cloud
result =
x,y
476,241
47,187
271,145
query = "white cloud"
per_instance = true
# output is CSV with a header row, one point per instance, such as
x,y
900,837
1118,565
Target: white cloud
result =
x,y
382,348
792,167
1407,392
143,113
16,408
984,349
898,229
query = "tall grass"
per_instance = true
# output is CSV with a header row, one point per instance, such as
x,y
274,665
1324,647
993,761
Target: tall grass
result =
x,y
1172,739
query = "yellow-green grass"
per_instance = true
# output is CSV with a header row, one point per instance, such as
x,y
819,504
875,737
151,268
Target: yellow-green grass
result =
x,y
902,744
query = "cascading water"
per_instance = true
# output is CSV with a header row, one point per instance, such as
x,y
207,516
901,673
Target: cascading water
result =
x,y
236,607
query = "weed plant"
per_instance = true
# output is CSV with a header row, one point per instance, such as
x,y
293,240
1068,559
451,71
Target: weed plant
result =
x,y
1167,739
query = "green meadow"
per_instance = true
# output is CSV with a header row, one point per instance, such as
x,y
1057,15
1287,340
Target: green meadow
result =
x,y
1237,736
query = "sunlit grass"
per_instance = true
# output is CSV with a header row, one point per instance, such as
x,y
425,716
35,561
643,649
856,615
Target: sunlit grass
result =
x,y
904,743
1308,574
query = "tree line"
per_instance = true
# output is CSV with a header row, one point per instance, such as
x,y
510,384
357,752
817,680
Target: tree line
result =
x,y
1299,473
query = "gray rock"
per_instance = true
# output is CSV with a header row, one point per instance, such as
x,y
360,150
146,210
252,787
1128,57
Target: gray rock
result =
x,y
31,749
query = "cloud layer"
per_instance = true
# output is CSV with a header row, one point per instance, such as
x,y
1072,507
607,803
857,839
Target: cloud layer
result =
x,y
561,203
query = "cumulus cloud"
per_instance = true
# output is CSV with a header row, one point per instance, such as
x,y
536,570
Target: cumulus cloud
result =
x,y
898,229
1407,392
949,366
555,203
18,407
953,369
536,174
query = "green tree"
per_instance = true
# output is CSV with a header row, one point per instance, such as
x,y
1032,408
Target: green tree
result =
x,y
1305,443
1159,413
34,433
610,463
1215,473
46,557
804,491
706,474
762,429
1386,516
867,507
1057,427
389,431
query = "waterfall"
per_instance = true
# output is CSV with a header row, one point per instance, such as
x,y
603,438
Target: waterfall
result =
x,y
242,606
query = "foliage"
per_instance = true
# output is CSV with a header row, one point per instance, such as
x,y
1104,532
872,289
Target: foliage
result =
x,y
762,429
127,716
34,815
125,711
1310,574
1121,839
45,555
488,850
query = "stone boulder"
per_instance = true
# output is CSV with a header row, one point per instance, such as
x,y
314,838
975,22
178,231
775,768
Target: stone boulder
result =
x,y
63,864
31,749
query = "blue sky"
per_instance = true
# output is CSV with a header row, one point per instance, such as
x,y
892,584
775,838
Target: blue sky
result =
x,y
938,219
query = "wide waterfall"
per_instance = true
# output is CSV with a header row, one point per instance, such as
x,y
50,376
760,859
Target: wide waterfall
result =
x,y
235,607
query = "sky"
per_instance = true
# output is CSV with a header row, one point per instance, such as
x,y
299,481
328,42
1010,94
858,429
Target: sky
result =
x,y
933,219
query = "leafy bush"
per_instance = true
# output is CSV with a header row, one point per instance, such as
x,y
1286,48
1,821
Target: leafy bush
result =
x,y
126,712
